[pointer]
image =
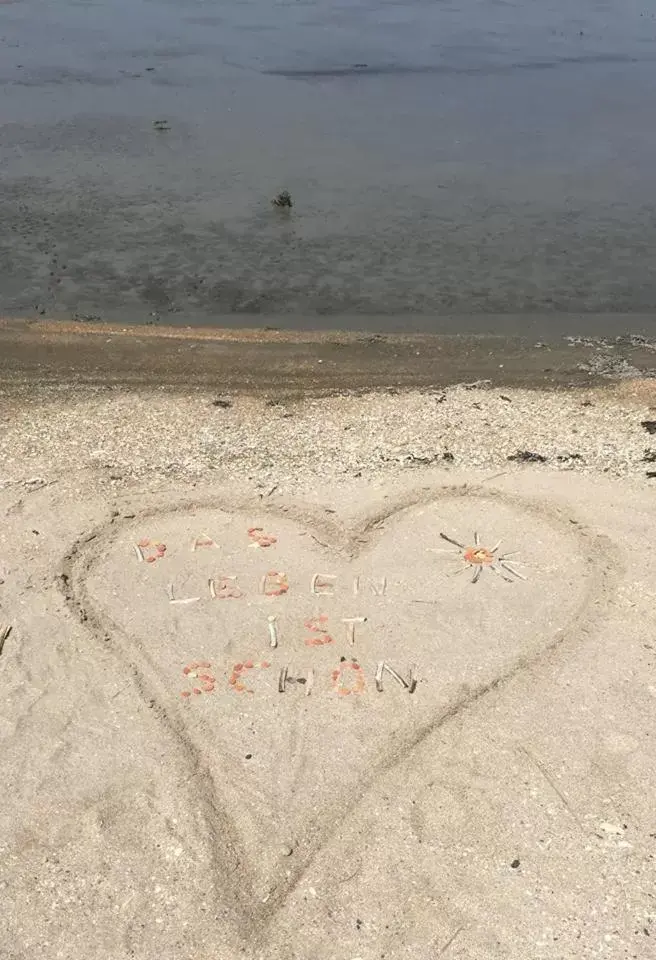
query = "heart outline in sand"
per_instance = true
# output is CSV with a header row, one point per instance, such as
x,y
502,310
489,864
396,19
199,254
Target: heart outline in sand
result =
x,y
83,562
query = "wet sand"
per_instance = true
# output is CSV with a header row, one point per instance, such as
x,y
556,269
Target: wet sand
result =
x,y
486,159
42,357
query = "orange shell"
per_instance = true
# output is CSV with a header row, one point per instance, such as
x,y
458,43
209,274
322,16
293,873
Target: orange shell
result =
x,y
478,555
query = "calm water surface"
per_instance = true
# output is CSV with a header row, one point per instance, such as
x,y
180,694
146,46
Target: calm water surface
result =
x,y
465,157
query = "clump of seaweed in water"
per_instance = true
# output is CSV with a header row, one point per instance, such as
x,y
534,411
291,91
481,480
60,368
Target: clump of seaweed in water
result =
x,y
283,200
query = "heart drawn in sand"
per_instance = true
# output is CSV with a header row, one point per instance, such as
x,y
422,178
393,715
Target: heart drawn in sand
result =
x,y
297,660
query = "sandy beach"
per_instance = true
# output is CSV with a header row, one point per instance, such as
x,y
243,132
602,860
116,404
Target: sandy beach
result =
x,y
326,600
335,675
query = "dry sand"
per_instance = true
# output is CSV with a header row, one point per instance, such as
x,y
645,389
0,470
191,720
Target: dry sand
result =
x,y
503,810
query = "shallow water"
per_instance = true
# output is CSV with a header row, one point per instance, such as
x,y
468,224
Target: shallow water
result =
x,y
464,157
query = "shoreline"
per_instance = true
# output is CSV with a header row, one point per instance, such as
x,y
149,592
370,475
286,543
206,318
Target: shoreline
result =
x,y
35,355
